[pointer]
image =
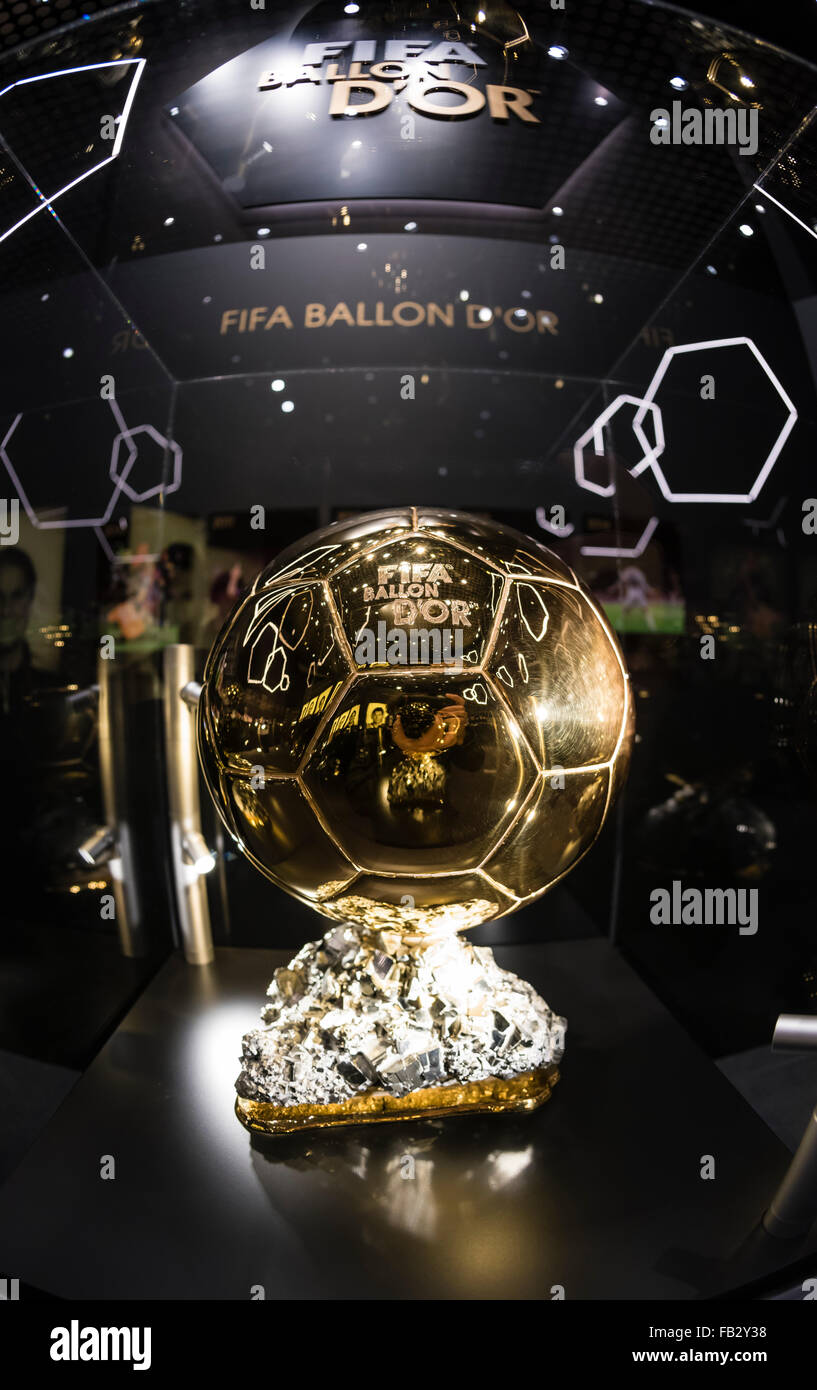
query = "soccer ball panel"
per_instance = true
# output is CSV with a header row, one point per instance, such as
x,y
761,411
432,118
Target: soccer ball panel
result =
x,y
417,774
621,764
560,823
498,545
558,668
284,837
319,554
418,905
271,677
417,584
386,781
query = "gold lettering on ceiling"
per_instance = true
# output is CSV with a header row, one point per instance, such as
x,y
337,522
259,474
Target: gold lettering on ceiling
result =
x,y
405,313
361,91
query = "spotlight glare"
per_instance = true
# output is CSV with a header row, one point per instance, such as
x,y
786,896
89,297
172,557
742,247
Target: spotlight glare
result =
x,y
556,50
287,407
278,384
746,230
195,854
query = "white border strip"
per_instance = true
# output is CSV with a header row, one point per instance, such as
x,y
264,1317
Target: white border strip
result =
x,y
117,144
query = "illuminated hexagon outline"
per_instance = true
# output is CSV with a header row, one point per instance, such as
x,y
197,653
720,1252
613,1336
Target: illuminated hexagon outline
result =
x,y
164,443
619,552
122,122
650,459
594,433
119,478
62,524
560,532
652,452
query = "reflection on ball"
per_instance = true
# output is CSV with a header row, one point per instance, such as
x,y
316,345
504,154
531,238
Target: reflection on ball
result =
x,y
416,719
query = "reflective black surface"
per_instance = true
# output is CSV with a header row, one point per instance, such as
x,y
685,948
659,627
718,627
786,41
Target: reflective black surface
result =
x,y
599,1191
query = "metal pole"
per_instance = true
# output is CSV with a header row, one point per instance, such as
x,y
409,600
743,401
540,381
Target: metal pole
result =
x,y
796,1032
191,859
794,1205
117,852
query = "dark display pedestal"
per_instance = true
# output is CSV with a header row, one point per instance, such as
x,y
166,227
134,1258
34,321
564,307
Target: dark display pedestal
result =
x,y
599,1191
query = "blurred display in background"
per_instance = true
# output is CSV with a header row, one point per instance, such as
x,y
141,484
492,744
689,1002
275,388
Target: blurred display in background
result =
x,y
241,318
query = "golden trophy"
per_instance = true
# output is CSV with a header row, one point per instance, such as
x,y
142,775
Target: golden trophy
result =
x,y
415,721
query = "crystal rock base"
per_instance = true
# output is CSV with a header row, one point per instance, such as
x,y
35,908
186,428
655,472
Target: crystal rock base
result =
x,y
524,1092
369,1026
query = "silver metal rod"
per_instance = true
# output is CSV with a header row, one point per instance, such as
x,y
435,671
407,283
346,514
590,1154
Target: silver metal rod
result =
x,y
113,779
797,1031
794,1205
191,693
189,854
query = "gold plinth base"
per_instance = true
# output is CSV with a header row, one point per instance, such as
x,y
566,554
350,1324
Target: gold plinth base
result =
x,y
523,1092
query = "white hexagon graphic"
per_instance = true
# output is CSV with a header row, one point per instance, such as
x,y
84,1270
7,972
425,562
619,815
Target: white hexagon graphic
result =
x,y
119,476
127,436
650,459
594,435
653,451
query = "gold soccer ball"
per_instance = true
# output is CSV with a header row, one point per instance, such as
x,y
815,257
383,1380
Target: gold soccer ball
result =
x,y
416,720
